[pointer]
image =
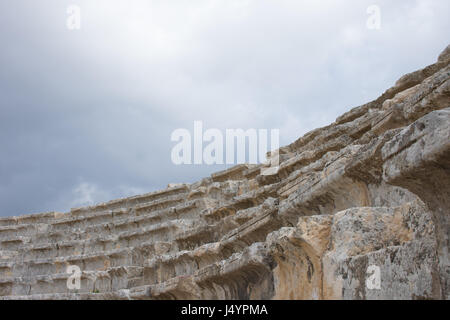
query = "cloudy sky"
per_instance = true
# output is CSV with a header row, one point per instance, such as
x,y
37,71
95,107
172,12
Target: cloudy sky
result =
x,y
86,115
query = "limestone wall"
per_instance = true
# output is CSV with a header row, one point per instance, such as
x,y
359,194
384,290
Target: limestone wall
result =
x,y
368,193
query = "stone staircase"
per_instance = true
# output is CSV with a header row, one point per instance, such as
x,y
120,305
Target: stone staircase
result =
x,y
370,189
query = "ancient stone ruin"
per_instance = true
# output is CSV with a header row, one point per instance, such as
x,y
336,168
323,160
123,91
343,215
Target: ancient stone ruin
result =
x,y
356,210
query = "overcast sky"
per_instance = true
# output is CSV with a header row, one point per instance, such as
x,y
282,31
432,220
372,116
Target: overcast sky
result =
x,y
86,115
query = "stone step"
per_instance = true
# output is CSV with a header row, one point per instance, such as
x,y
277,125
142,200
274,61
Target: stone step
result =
x,y
32,250
164,267
86,262
83,244
304,159
121,294
237,272
119,215
92,211
233,173
94,232
328,190
161,268
24,233
27,219
251,265
253,230
34,231
80,222
131,201
111,236
240,202
13,243
161,233
111,279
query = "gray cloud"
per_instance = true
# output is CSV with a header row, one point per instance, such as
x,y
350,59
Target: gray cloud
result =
x,y
86,116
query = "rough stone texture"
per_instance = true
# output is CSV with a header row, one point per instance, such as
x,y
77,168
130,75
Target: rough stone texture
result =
x,y
371,189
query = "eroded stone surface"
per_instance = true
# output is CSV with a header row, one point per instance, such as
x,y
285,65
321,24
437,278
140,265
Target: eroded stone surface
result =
x,y
369,192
